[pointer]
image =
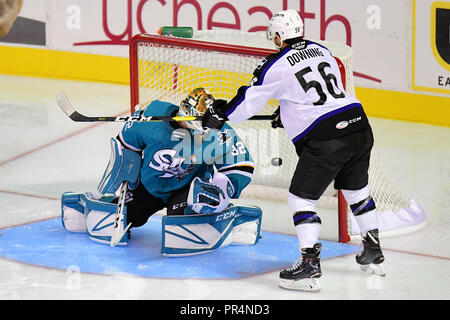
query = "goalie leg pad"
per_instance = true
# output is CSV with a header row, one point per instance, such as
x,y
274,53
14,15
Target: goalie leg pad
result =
x,y
201,233
82,213
100,220
72,213
247,226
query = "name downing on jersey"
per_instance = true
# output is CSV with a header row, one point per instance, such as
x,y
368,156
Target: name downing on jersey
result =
x,y
304,54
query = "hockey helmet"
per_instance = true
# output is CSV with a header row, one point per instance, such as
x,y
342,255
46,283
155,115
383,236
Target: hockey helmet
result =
x,y
287,24
195,104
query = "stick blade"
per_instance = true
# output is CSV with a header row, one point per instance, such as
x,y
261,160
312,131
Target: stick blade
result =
x,y
64,104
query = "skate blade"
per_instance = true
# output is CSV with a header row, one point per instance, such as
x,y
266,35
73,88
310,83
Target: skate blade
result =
x,y
311,284
372,268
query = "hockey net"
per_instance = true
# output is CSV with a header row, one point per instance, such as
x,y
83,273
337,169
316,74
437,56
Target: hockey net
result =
x,y
167,68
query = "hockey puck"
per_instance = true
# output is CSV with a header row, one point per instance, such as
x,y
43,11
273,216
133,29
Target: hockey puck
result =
x,y
276,162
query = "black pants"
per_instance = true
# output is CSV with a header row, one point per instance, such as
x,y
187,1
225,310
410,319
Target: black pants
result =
x,y
141,205
344,160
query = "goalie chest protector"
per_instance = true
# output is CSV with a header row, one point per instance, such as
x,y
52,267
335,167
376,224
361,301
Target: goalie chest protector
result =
x,y
171,156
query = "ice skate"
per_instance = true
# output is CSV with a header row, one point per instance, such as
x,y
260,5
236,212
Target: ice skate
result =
x,y
371,258
304,274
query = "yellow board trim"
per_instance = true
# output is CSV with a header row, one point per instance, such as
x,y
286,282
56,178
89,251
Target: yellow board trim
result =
x,y
405,106
397,105
63,65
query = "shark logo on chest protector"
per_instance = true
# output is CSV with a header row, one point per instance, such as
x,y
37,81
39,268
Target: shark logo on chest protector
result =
x,y
166,161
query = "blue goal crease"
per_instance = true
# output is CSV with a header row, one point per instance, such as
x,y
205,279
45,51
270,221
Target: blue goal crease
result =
x,y
46,243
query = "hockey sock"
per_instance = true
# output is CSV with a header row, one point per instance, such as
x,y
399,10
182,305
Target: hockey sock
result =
x,y
308,233
307,223
363,208
365,215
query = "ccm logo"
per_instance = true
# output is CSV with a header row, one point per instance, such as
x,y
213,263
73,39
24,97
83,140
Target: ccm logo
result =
x,y
344,124
226,215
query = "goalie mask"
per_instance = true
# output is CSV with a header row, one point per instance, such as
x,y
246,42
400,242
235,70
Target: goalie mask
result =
x,y
195,104
287,24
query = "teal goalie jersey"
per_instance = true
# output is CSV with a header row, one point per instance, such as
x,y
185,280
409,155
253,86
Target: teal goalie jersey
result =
x,y
173,156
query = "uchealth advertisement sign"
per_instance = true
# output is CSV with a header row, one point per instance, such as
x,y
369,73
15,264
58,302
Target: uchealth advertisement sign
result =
x,y
106,26
379,31
431,46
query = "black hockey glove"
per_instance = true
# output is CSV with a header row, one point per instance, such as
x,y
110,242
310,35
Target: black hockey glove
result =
x,y
276,122
215,117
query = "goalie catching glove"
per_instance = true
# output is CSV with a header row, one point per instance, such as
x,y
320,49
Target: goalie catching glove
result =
x,y
210,195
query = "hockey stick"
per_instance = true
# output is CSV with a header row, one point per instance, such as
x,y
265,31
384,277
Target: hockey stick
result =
x,y
66,106
119,231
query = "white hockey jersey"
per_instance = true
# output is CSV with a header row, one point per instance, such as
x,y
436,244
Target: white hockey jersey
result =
x,y
305,79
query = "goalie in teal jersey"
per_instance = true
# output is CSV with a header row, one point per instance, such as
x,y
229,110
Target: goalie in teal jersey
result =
x,y
192,172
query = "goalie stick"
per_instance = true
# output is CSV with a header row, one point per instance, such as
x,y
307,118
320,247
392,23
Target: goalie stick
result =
x,y
66,106
119,231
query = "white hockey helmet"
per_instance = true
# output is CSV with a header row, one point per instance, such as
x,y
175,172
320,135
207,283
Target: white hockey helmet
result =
x,y
287,24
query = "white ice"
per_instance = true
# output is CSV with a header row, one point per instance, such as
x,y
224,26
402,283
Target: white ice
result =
x,y
43,154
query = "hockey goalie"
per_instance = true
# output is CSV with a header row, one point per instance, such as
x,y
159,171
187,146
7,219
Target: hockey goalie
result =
x,y
179,166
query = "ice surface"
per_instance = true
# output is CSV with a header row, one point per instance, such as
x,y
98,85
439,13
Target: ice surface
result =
x,y
43,154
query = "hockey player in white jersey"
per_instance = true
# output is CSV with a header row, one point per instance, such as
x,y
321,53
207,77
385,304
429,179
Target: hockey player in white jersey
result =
x,y
330,131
